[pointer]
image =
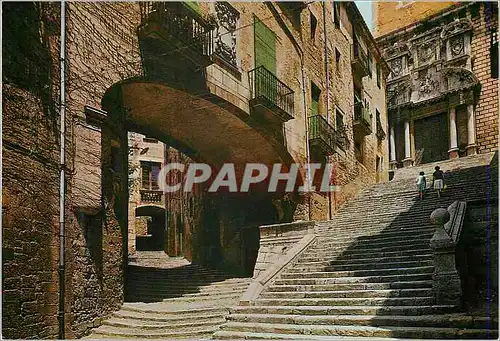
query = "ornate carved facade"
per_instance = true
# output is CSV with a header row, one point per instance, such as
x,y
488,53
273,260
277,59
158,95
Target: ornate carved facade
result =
x,y
433,73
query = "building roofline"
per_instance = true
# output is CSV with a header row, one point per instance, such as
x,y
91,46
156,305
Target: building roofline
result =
x,y
402,30
360,22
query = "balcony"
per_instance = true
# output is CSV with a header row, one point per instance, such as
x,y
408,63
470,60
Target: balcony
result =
x,y
359,60
151,196
380,131
321,135
362,123
269,96
176,31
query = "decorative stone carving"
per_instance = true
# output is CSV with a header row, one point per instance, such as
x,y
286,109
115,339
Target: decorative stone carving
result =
x,y
225,39
456,27
427,52
398,94
437,63
457,46
397,67
397,49
459,79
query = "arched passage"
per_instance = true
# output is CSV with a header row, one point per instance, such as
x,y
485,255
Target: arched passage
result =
x,y
204,128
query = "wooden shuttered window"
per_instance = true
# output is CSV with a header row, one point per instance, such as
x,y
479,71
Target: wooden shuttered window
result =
x,y
265,46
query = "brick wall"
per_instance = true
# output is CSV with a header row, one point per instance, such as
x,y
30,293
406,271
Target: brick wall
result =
x,y
487,106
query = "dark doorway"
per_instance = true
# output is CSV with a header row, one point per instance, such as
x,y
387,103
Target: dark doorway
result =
x,y
153,239
432,138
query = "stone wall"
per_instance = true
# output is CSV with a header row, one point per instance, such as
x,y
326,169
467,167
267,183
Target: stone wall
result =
x,y
29,218
477,255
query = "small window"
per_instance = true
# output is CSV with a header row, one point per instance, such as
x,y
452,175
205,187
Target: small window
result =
x,y
336,14
378,75
149,140
494,54
339,120
315,96
337,60
150,172
314,25
369,62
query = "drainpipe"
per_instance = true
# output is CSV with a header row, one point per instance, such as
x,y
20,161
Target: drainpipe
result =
x,y
308,160
327,73
62,170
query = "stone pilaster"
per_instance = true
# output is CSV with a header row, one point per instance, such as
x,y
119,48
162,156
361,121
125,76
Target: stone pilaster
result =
x,y
453,133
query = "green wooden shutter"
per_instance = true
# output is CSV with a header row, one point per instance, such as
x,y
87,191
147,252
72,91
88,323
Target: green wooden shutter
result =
x,y
265,46
194,5
314,107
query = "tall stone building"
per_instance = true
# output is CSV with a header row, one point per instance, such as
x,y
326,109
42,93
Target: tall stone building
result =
x,y
443,88
217,83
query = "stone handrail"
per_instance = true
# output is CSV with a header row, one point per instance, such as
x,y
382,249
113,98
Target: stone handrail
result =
x,y
275,236
446,284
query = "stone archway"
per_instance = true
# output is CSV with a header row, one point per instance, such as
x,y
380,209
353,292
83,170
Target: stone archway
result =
x,y
205,128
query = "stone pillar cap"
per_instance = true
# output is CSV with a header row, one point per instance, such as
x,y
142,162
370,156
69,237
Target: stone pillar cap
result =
x,y
440,216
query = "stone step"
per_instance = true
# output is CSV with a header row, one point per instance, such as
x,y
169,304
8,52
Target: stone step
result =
x,y
367,279
369,247
152,283
363,237
351,254
363,266
345,310
357,249
371,244
360,261
157,326
414,292
158,317
354,301
166,310
186,289
110,332
365,331
357,273
235,335
351,286
445,320
148,297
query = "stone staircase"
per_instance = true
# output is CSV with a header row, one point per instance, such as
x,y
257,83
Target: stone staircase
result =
x,y
369,272
170,298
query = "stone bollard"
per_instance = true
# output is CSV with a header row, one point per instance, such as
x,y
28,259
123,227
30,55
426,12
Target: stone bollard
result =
x,y
446,280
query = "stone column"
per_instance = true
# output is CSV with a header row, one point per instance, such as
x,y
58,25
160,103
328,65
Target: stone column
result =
x,y
471,130
446,285
407,160
392,145
453,134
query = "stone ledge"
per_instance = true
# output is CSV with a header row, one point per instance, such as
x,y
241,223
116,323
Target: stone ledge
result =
x,y
265,277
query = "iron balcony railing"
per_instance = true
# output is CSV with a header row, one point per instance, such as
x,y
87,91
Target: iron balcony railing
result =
x,y
320,130
360,57
152,196
362,115
265,85
181,23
